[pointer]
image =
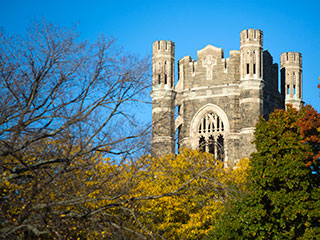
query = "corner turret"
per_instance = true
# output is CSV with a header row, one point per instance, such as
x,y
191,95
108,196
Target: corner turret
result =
x,y
291,78
251,49
163,98
163,65
251,85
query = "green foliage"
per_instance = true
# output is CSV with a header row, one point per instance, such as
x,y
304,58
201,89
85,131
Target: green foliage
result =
x,y
282,199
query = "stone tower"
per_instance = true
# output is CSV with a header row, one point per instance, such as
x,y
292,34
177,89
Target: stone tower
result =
x,y
251,85
218,100
163,95
291,78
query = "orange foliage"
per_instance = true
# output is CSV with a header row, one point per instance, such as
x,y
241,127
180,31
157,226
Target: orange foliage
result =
x,y
309,125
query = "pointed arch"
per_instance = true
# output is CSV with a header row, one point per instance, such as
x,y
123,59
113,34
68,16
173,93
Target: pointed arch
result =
x,y
208,130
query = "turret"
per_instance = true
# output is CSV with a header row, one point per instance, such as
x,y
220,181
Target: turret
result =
x,y
251,50
291,78
163,95
251,85
163,65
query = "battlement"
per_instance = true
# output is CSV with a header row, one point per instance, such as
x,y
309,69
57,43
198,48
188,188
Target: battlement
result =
x,y
234,54
291,59
163,46
185,59
251,36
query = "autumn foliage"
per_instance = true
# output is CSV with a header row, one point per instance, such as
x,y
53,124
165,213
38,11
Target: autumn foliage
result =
x,y
174,197
190,189
283,193
309,127
74,163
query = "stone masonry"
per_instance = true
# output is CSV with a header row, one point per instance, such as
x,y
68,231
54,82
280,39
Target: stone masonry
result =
x,y
217,101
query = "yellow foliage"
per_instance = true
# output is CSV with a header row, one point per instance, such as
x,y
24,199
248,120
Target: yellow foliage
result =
x,y
177,197
199,184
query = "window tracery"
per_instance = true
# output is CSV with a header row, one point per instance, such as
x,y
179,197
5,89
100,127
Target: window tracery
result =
x,y
211,135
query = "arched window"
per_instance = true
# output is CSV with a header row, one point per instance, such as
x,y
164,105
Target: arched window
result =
x,y
211,135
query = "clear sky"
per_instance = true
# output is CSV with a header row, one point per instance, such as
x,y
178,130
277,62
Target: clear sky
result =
x,y
287,26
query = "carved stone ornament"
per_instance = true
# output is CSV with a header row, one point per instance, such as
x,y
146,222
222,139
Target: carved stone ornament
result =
x,y
208,63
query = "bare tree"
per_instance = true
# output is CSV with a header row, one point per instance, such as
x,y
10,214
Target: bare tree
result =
x,y
52,86
69,141
64,104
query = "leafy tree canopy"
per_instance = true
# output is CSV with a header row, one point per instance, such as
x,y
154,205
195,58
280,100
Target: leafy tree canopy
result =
x,y
197,186
283,195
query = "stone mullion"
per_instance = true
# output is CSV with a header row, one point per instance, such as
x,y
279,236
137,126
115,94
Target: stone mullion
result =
x,y
251,64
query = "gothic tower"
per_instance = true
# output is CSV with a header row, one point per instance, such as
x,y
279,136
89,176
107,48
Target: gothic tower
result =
x,y
219,100
291,78
163,96
251,85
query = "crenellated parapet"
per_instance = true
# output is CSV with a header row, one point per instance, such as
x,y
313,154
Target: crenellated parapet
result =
x,y
163,46
251,37
210,69
291,59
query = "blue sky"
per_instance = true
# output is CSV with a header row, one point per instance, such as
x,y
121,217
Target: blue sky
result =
x,y
287,26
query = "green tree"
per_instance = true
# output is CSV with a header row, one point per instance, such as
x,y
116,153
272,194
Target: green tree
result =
x,y
282,200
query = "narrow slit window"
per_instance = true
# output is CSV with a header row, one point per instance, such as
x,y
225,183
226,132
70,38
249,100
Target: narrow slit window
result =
x,y
171,75
177,111
247,68
177,138
254,62
294,89
288,89
165,79
260,64
159,79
